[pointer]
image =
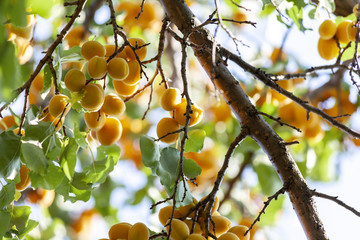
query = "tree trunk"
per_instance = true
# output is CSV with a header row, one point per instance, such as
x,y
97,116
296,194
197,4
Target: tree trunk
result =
x,y
260,131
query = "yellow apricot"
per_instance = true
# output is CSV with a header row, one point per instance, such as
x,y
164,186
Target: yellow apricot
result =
x,y
136,43
185,209
95,120
179,229
58,105
74,80
93,97
7,122
196,113
341,33
351,31
278,55
228,236
91,49
45,116
113,105
58,123
197,227
24,179
37,83
138,231
118,68
110,132
215,204
119,231
170,98
195,236
165,126
75,35
123,89
97,67
110,49
239,231
328,49
222,224
165,214
134,75
327,29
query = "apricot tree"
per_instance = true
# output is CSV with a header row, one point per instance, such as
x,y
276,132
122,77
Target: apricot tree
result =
x,y
121,80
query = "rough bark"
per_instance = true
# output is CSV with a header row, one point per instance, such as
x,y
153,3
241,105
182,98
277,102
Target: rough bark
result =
x,y
260,131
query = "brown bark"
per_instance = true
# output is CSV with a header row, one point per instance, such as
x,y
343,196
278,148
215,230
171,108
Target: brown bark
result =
x,y
260,131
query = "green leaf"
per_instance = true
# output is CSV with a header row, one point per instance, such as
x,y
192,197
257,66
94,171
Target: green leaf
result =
x,y
40,7
195,141
166,179
19,217
296,14
191,169
33,156
10,150
9,71
70,190
50,180
329,5
80,137
267,176
31,224
5,221
169,159
47,81
68,158
183,196
150,152
7,194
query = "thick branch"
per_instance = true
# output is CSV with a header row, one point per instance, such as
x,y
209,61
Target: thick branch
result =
x,y
259,130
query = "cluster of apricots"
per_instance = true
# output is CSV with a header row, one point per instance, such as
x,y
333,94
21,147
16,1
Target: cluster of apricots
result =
x,y
331,34
183,226
127,231
172,101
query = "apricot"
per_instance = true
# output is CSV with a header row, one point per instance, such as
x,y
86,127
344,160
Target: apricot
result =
x,y
75,35
140,49
215,204
74,80
185,209
195,236
110,132
351,31
179,229
119,231
37,83
328,49
228,236
327,29
197,227
170,98
166,126
239,231
93,97
165,214
113,105
91,49
123,89
97,67
110,49
24,179
58,105
58,123
95,120
278,55
134,75
41,196
196,113
221,223
7,122
45,116
138,231
341,33
118,68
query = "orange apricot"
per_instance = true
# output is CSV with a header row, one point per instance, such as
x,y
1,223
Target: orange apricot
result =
x,y
138,231
58,105
93,97
91,49
58,123
351,31
170,98
110,132
221,223
134,75
166,126
97,67
228,236
196,113
123,89
74,80
7,122
37,83
118,68
45,116
95,120
239,231
179,229
197,227
140,49
24,179
278,55
341,33
327,29
113,105
195,236
165,214
328,49
119,231
75,35
110,49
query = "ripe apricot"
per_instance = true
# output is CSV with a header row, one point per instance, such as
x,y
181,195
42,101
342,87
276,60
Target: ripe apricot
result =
x,y
195,236
58,105
57,122
91,49
74,80
239,231
45,116
165,214
215,205
134,75
140,49
278,55
228,236
165,126
93,97
196,113
328,49
197,227
341,33
221,223
118,68
110,132
119,231
138,231
95,120
7,122
97,67
24,179
351,31
170,98
179,229
37,83
123,89
327,29
113,105
75,35
185,209
110,49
